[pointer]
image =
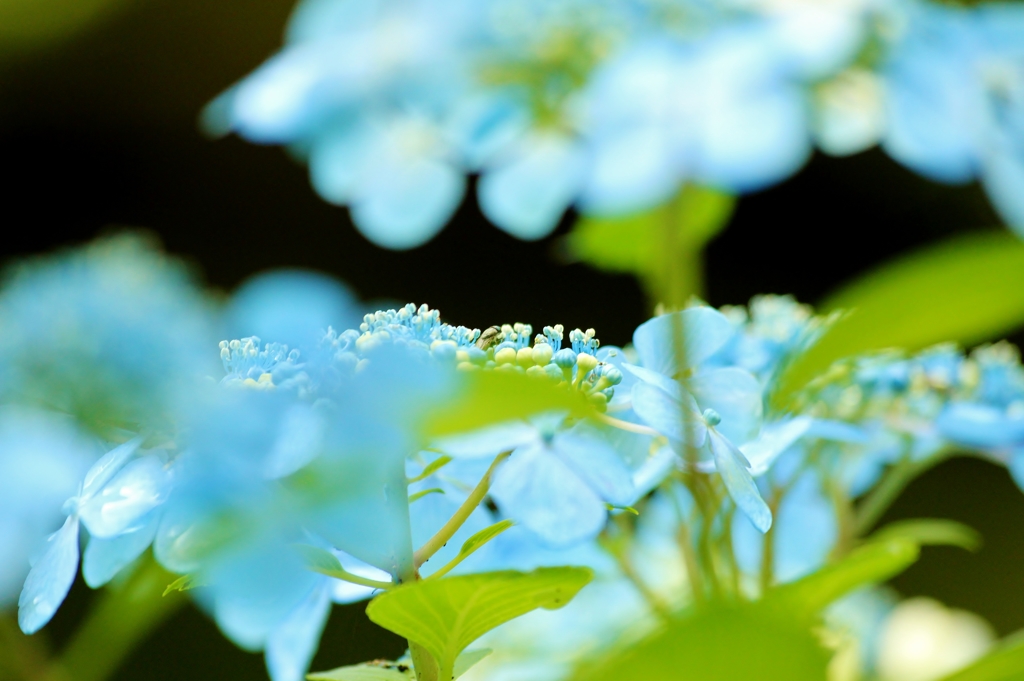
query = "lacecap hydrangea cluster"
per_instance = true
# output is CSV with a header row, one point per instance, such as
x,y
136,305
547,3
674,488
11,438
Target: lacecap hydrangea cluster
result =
x,y
233,477
612,106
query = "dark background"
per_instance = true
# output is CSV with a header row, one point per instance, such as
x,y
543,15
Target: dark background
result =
x,y
100,130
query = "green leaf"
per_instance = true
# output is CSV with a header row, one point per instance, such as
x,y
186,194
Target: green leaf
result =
x,y
447,615
386,670
931,532
472,544
1004,663
871,563
490,397
967,290
369,671
425,492
742,643
183,583
432,467
468,659
635,243
326,563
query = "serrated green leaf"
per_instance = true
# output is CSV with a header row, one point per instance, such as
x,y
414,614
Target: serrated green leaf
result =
x,y
966,290
748,642
1004,663
425,492
371,671
468,659
183,583
871,563
490,397
931,532
473,544
447,615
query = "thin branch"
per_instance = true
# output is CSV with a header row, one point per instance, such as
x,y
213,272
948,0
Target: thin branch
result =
x,y
434,544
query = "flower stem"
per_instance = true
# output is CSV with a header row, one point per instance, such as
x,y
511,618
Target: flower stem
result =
x,y
896,479
434,544
126,614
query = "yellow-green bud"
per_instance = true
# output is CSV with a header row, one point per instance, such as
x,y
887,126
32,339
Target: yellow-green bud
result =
x,y
542,353
524,357
505,356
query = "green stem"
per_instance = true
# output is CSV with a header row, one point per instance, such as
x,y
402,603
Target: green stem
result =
x,y
434,544
25,657
896,479
126,614
768,550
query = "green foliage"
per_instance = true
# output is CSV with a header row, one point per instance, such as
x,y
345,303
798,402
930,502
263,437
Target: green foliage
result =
x,y
871,563
27,23
931,532
656,244
183,583
386,670
473,544
326,563
447,615
432,467
967,290
1005,663
425,492
490,397
720,644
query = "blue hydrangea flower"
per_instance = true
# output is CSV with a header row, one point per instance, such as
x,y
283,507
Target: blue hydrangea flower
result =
x,y
115,500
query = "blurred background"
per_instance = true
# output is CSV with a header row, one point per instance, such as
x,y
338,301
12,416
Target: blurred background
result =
x,y
98,111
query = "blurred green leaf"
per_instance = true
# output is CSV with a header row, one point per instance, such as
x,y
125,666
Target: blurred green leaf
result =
x,y
446,615
474,543
931,532
741,643
871,563
1004,663
27,23
966,290
490,397
637,244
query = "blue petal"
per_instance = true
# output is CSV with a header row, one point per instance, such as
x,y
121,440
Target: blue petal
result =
x,y
294,307
538,490
632,170
665,383
291,646
347,592
527,195
104,558
489,441
774,439
737,397
652,472
732,467
408,202
108,466
597,464
299,441
50,579
806,530
978,425
665,414
1003,177
705,329
254,590
138,488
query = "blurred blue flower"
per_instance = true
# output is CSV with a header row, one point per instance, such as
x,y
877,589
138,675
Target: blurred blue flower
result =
x,y
955,87
112,333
